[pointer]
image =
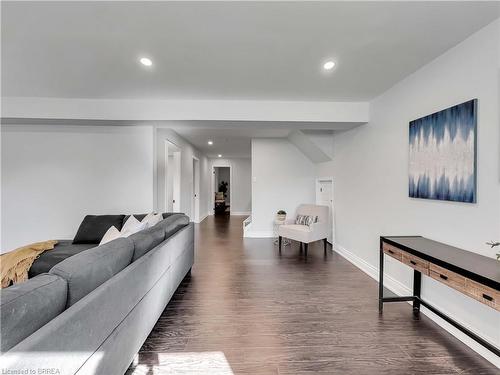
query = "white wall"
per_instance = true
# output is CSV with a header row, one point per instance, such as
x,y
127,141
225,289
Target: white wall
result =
x,y
188,151
370,170
282,178
52,176
241,188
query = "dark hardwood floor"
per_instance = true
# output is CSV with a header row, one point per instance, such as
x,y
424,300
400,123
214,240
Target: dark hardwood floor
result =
x,y
249,310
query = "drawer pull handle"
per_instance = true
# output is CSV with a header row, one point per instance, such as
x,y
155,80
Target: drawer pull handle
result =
x,y
443,277
390,251
487,297
413,262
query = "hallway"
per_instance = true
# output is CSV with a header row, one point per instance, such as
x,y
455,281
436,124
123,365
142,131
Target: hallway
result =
x,y
249,310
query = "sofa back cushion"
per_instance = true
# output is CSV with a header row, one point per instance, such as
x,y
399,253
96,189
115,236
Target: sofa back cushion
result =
x,y
322,212
168,214
26,307
93,227
173,223
87,270
146,239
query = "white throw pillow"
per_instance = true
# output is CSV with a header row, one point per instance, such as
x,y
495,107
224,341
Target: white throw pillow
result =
x,y
131,226
152,219
110,235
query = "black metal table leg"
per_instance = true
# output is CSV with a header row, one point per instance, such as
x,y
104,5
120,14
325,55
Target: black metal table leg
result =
x,y
417,284
417,301
381,280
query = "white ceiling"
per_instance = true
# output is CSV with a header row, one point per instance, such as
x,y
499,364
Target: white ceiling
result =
x,y
225,50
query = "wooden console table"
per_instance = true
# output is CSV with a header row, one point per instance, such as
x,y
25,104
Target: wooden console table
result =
x,y
472,274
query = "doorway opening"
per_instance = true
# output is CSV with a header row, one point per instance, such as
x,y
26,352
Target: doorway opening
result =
x,y
172,177
221,185
195,205
324,197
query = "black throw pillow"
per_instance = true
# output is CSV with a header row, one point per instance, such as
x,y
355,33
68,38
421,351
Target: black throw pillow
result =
x,y
142,216
93,227
137,216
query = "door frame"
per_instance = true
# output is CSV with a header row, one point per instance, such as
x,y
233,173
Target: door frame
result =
x,y
318,181
212,198
195,194
176,178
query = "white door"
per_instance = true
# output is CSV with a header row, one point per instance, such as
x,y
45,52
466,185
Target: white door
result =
x,y
172,177
324,197
196,191
176,191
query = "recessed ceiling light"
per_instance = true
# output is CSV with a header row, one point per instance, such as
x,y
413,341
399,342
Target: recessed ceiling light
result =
x,y
329,65
146,61
219,155
210,143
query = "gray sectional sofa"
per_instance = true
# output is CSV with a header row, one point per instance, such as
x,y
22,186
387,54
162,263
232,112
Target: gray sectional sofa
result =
x,y
91,312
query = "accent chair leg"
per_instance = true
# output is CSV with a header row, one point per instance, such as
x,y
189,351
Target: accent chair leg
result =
x,y
280,240
306,245
300,247
187,276
324,244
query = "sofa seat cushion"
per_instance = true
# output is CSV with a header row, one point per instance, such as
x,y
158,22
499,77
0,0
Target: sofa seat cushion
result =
x,y
26,307
63,249
87,270
93,227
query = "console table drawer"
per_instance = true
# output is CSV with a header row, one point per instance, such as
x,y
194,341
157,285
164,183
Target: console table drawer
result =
x,y
416,263
447,277
392,251
482,293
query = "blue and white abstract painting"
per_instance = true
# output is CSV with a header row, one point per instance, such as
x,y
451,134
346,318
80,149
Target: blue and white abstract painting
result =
x,y
443,154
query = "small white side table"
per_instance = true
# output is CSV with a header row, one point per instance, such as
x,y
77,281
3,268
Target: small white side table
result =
x,y
277,224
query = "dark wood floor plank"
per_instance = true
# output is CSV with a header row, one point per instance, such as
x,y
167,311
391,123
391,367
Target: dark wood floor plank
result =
x,y
249,310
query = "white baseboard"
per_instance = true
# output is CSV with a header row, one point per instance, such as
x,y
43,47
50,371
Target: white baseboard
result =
x,y
402,290
203,218
372,271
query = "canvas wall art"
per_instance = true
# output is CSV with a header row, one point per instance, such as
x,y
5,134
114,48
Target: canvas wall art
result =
x,y
442,160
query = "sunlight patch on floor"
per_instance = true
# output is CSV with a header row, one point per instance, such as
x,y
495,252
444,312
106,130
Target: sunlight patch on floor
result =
x,y
214,363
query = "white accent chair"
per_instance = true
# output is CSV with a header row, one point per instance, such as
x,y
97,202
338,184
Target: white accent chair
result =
x,y
303,233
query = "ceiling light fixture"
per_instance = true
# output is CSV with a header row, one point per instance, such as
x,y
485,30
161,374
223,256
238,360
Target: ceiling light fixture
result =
x,y
145,61
329,65
219,155
210,143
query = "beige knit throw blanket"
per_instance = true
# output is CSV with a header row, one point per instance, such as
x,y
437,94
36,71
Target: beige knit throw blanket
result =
x,y
14,265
